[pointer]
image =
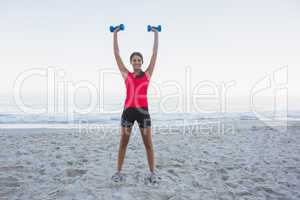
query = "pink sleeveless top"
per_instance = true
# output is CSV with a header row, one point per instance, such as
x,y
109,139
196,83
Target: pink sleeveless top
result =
x,y
136,90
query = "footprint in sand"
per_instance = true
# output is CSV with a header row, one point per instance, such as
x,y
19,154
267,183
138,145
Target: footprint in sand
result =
x,y
75,172
10,182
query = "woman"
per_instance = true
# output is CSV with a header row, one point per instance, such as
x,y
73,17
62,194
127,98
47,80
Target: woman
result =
x,y
136,103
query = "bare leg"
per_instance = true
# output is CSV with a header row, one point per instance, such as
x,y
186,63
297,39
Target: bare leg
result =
x,y
147,139
125,135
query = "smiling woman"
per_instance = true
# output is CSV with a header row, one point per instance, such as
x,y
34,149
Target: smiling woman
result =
x,y
136,103
136,60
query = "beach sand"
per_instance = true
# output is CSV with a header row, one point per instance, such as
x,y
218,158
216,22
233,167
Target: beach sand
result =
x,y
253,161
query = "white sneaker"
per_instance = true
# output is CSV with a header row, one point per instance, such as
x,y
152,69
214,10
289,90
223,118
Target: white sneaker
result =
x,y
118,177
153,177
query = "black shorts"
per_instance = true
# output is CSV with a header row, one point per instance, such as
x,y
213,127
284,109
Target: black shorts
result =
x,y
141,115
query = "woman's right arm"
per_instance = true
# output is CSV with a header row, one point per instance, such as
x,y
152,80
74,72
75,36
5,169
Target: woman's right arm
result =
x,y
122,68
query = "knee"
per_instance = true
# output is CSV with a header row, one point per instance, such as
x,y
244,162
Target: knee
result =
x,y
124,142
123,145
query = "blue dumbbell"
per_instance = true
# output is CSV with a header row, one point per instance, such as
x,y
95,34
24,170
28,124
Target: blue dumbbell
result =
x,y
112,28
158,28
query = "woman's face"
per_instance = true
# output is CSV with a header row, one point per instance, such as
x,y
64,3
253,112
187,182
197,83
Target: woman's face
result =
x,y
136,62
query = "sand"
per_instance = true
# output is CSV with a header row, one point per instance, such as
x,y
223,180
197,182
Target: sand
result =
x,y
253,161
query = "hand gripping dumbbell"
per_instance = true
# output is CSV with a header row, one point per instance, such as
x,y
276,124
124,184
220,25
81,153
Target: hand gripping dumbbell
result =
x,y
158,28
113,28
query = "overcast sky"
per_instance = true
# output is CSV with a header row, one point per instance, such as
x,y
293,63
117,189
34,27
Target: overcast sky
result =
x,y
220,41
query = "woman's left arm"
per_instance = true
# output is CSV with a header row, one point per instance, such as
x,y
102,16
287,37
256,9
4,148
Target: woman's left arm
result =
x,y
154,54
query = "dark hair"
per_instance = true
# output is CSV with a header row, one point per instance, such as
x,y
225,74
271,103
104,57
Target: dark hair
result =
x,y
136,54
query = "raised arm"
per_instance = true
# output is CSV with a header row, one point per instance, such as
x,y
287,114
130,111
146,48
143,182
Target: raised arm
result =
x,y
154,54
122,68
